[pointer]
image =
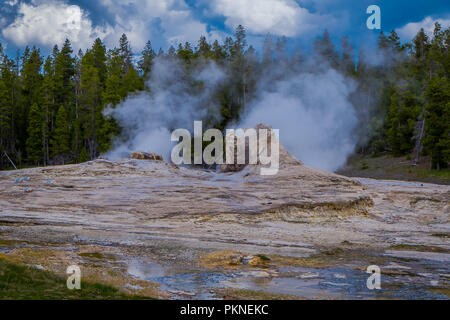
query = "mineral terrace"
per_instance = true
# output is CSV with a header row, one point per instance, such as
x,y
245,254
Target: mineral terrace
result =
x,y
156,229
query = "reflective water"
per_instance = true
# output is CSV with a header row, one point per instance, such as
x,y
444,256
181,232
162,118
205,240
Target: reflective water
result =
x,y
311,283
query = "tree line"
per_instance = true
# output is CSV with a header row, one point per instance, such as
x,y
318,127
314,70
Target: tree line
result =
x,y
52,108
410,94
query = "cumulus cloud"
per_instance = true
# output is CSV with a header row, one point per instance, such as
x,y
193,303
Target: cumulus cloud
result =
x,y
11,2
278,17
47,23
172,19
409,31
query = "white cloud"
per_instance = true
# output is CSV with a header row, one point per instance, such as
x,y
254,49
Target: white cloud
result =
x,y
409,31
11,2
50,23
137,19
278,17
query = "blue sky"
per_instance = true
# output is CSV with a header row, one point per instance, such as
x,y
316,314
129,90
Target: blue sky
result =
x,y
47,22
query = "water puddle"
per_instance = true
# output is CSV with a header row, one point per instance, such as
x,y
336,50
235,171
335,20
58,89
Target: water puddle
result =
x,y
311,283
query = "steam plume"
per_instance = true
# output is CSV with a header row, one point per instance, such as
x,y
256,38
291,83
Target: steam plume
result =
x,y
311,109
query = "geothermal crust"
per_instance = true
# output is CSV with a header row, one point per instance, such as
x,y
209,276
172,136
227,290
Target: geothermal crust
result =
x,y
154,204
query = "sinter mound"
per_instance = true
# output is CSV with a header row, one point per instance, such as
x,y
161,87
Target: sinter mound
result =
x,y
291,169
146,156
285,158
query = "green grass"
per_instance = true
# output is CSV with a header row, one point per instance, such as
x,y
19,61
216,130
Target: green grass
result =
x,y
363,165
443,174
97,255
263,257
28,283
394,168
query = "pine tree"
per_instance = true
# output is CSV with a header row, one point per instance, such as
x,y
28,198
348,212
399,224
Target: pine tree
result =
x,y
34,140
125,53
11,107
94,73
64,70
204,49
91,100
146,62
383,42
31,77
113,91
171,52
61,135
76,127
237,65
324,49
394,41
401,119
31,91
84,155
5,119
48,101
112,94
437,128
229,47
298,58
186,54
281,51
421,44
131,82
268,52
6,107
436,53
97,58
2,54
393,124
240,42
218,52
348,59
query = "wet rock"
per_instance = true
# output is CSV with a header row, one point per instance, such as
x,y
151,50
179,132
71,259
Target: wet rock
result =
x,y
39,267
393,265
253,260
335,284
151,203
146,156
309,275
434,256
246,260
259,274
27,190
181,293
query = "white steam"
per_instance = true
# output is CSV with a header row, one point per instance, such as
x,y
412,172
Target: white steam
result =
x,y
315,118
175,101
311,109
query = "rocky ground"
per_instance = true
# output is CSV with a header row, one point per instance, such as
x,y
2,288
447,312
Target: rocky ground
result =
x,y
155,229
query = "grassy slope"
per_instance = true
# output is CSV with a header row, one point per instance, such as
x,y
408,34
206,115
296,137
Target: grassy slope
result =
x,y
392,168
23,282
